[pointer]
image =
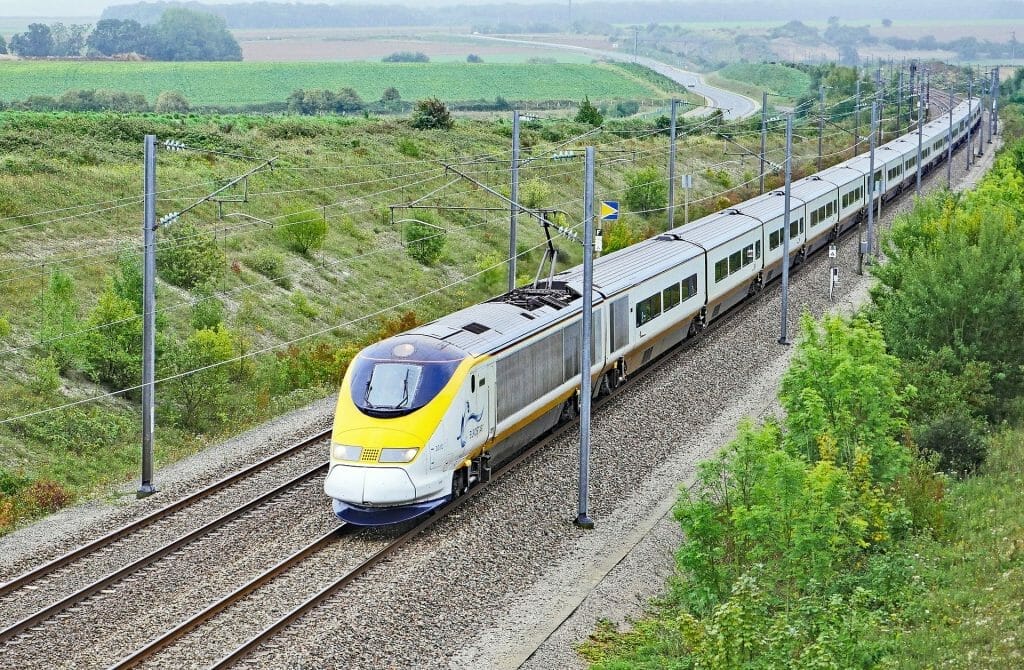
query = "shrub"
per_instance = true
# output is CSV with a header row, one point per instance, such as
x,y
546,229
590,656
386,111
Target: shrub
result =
x,y
171,102
407,147
45,377
199,397
5,326
431,114
406,57
58,312
303,232
646,191
587,113
302,305
269,264
627,108
187,257
112,343
207,310
46,495
473,58
424,241
534,193
958,440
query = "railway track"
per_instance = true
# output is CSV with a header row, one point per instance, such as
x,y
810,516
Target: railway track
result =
x,y
71,578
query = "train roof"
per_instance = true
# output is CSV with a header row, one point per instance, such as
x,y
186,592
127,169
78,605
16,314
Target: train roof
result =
x,y
633,265
715,229
504,320
841,174
770,205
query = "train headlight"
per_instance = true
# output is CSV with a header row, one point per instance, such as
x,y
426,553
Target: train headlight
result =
x,y
398,455
343,452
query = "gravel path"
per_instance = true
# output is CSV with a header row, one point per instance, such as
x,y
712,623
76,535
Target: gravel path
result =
x,y
493,581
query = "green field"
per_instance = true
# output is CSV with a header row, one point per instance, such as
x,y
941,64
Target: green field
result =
x,y
778,80
236,84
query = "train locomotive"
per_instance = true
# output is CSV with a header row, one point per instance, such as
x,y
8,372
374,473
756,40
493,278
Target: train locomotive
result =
x,y
424,415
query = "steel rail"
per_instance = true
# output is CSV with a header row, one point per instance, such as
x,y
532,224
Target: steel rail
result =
x,y
83,593
114,536
156,645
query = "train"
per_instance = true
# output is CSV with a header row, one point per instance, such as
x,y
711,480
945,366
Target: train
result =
x,y
425,414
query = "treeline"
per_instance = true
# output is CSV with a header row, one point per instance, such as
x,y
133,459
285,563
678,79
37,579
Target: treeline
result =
x,y
291,15
177,35
813,542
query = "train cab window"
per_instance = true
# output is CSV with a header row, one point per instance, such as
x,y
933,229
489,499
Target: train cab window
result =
x,y
735,261
397,376
721,269
648,309
670,297
472,383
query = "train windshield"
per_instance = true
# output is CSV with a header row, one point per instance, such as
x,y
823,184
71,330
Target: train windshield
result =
x,y
398,376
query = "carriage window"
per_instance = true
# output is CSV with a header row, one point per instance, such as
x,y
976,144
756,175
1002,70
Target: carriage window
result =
x,y
721,269
689,287
648,309
775,239
735,261
757,250
748,255
670,296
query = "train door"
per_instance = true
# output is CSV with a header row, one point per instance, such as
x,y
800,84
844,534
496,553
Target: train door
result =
x,y
482,390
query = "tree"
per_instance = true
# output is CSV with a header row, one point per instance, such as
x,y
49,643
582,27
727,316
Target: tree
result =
x,y
391,94
303,232
473,58
587,113
3,45
68,41
171,102
114,36
188,257
430,114
406,57
184,35
37,42
887,23
199,397
424,240
646,191
112,343
58,318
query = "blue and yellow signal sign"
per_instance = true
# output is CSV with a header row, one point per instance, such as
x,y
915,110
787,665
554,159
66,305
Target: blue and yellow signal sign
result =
x,y
609,210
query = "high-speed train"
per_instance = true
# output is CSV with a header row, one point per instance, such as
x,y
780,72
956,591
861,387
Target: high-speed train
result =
x,y
425,414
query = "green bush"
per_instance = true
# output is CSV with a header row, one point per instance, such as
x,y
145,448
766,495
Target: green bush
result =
x,y
45,375
58,318
534,193
407,147
431,114
207,310
187,256
587,113
424,241
303,232
112,343
646,191
269,264
199,398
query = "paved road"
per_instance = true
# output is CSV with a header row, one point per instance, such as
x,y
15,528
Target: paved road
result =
x,y
736,106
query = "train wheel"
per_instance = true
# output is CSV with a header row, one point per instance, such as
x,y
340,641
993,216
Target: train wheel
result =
x,y
460,482
570,409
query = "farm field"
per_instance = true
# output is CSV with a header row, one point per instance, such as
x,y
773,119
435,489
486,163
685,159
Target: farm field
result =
x,y
236,84
778,80
327,44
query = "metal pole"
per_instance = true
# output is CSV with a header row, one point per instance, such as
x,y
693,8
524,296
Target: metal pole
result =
x,y
582,518
949,145
899,101
821,121
970,92
995,105
784,326
871,182
764,136
686,199
148,316
920,138
636,40
880,101
672,170
927,87
856,121
981,124
514,193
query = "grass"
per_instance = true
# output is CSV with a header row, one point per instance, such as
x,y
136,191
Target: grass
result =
x,y
969,615
239,84
784,84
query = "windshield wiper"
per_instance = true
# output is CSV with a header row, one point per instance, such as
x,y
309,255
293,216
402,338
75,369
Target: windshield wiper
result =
x,y
405,390
366,395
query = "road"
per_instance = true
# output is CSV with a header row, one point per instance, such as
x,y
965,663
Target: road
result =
x,y
735,106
